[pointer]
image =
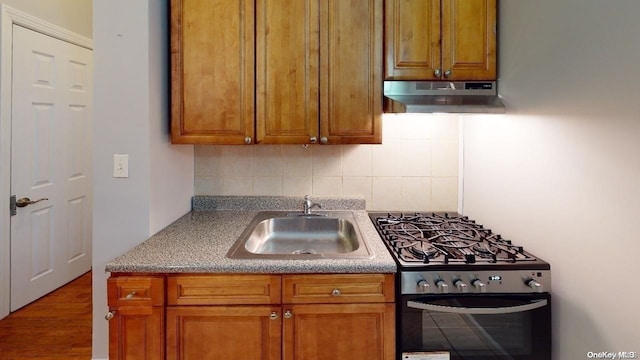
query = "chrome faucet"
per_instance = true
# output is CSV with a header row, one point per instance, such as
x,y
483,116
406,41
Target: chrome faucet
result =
x,y
308,205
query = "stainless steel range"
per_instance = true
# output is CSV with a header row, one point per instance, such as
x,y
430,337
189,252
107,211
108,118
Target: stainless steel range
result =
x,y
464,291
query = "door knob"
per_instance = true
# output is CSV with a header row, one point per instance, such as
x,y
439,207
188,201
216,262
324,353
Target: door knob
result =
x,y
25,201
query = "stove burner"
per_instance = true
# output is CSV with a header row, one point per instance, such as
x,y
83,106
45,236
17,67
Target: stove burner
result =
x,y
444,238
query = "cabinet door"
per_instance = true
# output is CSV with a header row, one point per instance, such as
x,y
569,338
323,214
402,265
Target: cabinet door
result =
x,y
339,332
136,333
287,45
469,39
412,40
224,332
350,71
212,71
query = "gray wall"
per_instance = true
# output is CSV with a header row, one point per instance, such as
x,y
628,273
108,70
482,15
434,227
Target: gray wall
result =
x,y
559,173
131,115
74,15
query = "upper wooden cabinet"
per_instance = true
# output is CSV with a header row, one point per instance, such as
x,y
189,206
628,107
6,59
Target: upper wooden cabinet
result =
x,y
311,67
350,70
440,40
212,71
287,52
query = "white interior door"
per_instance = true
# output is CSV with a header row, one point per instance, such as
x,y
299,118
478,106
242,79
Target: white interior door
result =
x,y
50,159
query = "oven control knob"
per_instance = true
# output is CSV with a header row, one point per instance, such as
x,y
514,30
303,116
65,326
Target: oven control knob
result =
x,y
462,287
423,286
442,286
534,285
479,285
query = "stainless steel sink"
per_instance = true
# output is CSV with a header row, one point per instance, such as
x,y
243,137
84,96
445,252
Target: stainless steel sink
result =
x,y
287,235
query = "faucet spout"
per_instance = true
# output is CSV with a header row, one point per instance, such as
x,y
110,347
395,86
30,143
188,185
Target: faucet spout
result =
x,y
308,205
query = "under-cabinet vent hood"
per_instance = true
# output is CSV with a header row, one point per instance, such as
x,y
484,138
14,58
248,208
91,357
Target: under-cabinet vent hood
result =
x,y
442,97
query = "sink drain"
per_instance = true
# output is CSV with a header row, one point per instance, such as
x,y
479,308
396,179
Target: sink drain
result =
x,y
304,251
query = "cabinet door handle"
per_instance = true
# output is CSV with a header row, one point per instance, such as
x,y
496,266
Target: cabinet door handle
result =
x,y
247,140
273,316
130,295
313,139
447,73
288,314
336,292
324,140
437,72
110,315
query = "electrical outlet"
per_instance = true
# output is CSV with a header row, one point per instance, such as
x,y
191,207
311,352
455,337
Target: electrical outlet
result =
x,y
120,165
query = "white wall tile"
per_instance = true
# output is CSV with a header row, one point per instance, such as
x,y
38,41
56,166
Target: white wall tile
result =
x,y
392,125
445,126
416,157
444,194
416,193
386,158
298,160
267,185
444,157
327,161
358,186
208,185
267,160
208,160
237,160
415,168
297,186
356,160
327,185
237,186
416,126
386,193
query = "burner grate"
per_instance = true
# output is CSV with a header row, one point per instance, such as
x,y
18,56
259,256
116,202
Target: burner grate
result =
x,y
445,238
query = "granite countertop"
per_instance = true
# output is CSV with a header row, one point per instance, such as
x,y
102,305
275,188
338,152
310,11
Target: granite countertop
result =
x,y
199,241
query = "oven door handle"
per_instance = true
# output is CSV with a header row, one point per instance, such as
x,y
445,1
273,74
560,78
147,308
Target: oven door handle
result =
x,y
536,304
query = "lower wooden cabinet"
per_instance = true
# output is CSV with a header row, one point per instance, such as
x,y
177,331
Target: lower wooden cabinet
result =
x,y
339,332
223,332
292,317
136,317
136,333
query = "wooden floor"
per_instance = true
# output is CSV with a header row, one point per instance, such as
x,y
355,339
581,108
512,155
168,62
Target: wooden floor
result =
x,y
55,327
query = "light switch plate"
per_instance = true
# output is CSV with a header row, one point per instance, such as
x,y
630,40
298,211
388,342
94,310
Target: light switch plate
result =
x,y
120,165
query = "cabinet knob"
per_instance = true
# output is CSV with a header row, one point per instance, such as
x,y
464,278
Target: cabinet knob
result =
x,y
110,315
247,140
324,140
447,73
437,72
313,139
130,295
273,316
336,292
288,314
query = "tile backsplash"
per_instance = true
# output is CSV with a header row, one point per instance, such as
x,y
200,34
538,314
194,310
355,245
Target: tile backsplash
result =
x,y
414,169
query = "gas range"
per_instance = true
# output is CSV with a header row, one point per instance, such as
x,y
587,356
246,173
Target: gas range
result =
x,y
447,252
464,292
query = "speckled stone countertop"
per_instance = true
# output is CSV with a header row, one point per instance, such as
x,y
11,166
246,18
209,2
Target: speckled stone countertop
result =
x,y
199,241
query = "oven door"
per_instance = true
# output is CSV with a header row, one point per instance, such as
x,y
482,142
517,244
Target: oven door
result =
x,y
475,327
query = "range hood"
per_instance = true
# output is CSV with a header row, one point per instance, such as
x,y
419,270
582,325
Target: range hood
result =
x,y
442,97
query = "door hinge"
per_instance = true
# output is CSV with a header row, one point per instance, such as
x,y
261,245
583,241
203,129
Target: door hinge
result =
x,y
12,205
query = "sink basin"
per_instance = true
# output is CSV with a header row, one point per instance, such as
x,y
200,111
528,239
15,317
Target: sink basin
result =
x,y
282,235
